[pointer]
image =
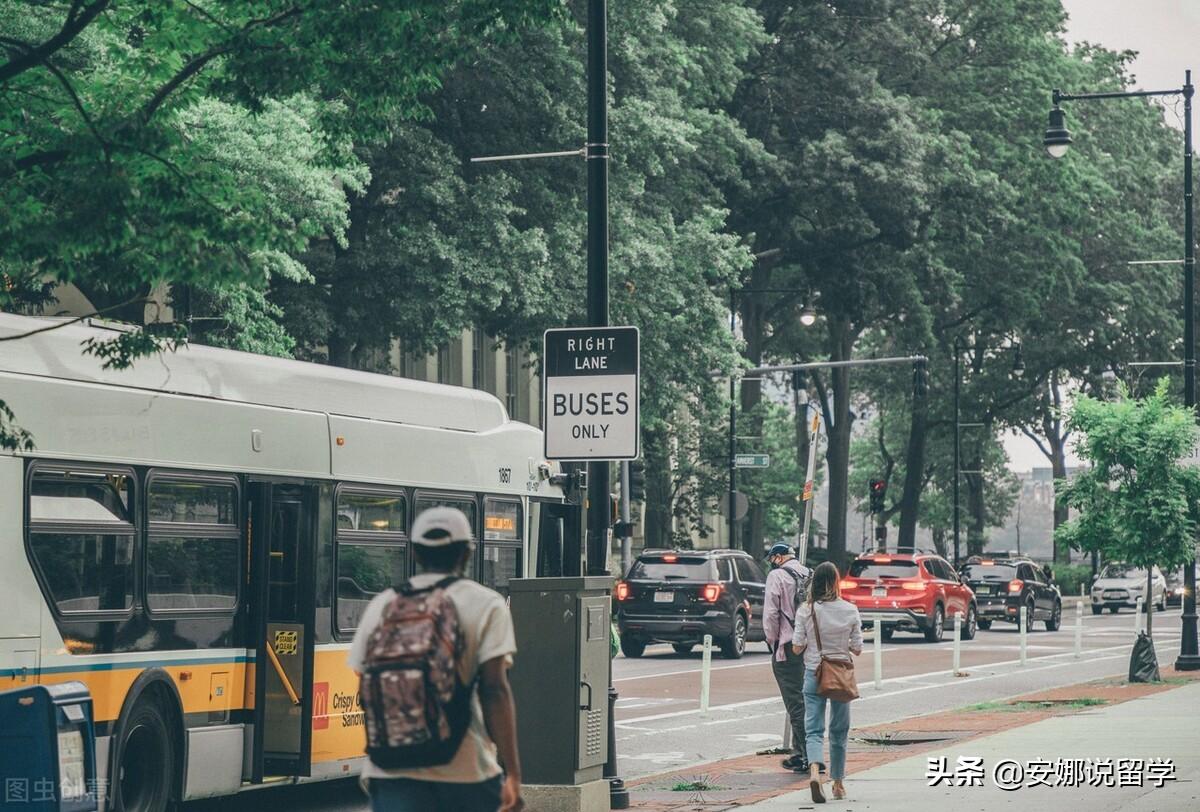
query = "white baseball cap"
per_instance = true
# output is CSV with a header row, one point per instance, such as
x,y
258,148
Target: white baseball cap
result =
x,y
441,526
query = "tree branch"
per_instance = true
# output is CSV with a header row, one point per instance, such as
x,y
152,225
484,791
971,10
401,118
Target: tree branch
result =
x,y
75,320
77,19
187,72
1038,441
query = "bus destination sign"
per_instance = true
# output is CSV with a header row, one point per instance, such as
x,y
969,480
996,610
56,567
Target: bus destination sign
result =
x,y
590,393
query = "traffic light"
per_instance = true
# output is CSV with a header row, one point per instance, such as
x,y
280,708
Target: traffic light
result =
x,y
878,492
637,481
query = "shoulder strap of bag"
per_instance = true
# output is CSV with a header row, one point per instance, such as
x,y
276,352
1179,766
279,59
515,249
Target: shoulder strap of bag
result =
x,y
796,583
817,630
408,589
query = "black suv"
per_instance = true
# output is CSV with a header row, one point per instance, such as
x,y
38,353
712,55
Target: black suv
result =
x,y
1003,585
678,596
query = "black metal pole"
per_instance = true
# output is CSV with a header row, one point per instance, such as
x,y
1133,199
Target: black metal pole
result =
x,y
957,449
596,152
597,257
732,432
1189,657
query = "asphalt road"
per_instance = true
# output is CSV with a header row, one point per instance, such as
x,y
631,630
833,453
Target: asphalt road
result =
x,y
660,726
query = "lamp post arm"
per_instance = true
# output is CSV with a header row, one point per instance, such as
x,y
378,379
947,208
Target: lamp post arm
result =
x,y
1058,96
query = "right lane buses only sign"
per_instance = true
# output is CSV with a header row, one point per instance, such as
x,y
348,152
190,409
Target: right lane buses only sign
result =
x,y
590,393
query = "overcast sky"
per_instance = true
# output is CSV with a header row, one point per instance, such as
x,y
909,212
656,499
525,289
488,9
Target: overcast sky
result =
x,y
1166,35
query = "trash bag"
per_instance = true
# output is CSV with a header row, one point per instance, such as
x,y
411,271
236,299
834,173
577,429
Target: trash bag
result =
x,y
1143,662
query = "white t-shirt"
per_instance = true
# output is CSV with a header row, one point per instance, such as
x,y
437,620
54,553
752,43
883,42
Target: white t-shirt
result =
x,y
487,629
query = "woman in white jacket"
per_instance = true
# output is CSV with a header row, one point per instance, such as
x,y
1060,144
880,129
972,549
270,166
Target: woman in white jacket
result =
x,y
840,631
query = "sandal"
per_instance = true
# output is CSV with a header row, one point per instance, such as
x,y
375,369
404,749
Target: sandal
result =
x,y
839,790
814,784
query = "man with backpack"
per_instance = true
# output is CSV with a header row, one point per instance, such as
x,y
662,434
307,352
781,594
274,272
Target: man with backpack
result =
x,y
787,587
433,655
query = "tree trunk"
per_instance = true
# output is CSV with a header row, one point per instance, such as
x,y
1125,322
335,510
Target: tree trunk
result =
x,y
800,403
914,467
657,531
753,312
939,542
838,430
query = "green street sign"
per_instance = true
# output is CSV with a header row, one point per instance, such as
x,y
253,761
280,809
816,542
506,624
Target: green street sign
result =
x,y
752,460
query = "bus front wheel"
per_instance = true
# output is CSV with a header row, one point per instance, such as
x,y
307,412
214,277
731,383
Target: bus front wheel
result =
x,y
143,776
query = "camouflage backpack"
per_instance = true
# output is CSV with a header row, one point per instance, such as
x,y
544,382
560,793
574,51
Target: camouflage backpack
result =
x,y
417,708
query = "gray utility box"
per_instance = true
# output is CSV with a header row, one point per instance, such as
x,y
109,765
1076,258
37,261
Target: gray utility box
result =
x,y
560,677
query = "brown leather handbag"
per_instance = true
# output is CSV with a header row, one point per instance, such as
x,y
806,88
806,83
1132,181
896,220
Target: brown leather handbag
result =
x,y
835,678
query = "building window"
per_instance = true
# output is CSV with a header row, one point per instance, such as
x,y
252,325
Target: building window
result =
x,y
443,363
478,354
511,361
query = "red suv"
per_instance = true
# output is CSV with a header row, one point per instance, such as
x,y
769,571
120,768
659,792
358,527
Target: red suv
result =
x,y
916,592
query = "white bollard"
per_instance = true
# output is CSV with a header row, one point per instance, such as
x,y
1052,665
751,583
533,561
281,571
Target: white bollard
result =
x,y
1137,617
877,648
1078,630
1024,621
957,643
705,673
787,732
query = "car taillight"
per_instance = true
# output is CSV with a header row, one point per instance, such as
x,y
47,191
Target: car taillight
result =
x,y
710,593
847,584
915,586
1015,585
622,591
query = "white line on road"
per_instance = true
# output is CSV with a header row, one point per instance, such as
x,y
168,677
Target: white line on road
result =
x,y
923,687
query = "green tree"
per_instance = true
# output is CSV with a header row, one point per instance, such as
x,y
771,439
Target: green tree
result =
x,y
1137,503
203,143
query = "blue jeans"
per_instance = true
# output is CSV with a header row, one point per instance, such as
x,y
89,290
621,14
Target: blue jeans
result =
x,y
814,727
407,795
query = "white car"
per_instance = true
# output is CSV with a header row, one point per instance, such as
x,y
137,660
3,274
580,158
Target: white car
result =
x,y
1121,585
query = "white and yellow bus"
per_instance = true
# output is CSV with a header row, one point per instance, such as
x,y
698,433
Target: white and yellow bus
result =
x,y
195,539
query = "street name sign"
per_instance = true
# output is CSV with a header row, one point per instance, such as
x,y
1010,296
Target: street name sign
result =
x,y
752,460
590,393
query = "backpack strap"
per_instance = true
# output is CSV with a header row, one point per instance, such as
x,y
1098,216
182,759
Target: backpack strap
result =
x,y
408,589
796,579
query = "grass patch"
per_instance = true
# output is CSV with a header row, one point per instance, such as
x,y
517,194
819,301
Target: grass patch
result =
x,y
699,784
1023,705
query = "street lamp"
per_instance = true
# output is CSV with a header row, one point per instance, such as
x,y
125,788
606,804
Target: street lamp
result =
x,y
808,316
1057,139
1018,370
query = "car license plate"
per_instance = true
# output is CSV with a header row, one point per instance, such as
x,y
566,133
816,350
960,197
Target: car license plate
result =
x,y
984,590
664,597
878,592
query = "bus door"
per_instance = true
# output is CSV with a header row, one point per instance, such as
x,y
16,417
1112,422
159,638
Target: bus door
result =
x,y
281,540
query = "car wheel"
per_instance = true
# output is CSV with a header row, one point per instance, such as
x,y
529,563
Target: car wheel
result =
x,y
683,648
1097,609
984,623
1055,619
1029,609
969,625
1161,606
885,633
146,761
937,628
734,646
632,647
1114,609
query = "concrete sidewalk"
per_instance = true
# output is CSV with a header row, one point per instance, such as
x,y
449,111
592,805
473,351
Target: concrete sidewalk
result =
x,y
1161,726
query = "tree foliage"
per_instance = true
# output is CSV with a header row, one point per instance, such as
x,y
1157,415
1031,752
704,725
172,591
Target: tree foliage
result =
x,y
1137,503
